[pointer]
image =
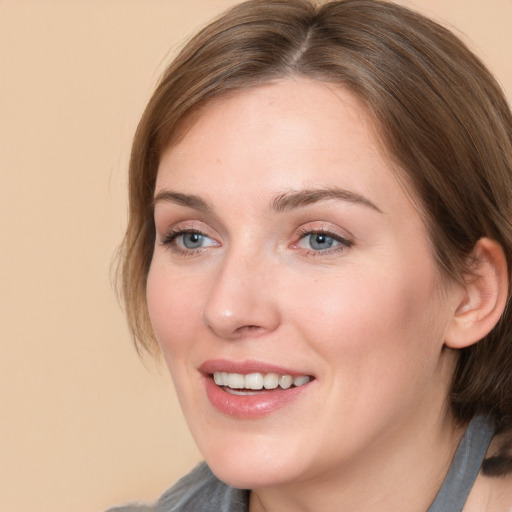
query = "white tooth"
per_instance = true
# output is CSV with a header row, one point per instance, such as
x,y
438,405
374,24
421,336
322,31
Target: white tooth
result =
x,y
285,381
271,381
225,378
299,381
254,381
217,377
236,381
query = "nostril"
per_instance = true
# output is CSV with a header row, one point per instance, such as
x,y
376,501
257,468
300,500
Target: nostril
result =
x,y
250,329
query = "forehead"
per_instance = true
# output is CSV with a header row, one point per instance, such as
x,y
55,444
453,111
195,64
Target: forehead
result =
x,y
295,133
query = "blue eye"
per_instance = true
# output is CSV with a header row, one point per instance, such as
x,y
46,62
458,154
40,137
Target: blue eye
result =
x,y
187,241
321,241
191,240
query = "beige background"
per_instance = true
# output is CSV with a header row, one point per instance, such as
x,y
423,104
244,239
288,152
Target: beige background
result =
x,y
83,424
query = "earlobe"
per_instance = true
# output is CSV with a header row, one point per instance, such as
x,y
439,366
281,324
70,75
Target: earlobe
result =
x,y
484,298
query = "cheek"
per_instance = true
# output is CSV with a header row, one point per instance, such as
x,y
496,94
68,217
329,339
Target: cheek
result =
x,y
380,343
368,317
174,307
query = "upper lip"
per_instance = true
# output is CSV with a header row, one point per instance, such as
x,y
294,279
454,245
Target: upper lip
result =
x,y
245,367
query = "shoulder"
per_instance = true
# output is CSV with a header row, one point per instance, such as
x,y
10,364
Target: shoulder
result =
x,y
200,491
492,493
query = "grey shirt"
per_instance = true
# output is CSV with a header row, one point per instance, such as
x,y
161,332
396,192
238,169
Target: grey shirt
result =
x,y
202,491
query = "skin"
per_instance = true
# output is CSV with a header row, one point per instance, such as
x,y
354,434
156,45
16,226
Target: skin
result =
x,y
368,320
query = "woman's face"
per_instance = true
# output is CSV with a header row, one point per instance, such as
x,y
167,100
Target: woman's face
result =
x,y
287,251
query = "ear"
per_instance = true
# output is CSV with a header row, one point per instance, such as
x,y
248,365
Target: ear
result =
x,y
484,296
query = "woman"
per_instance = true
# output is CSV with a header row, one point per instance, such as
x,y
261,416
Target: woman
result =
x,y
320,243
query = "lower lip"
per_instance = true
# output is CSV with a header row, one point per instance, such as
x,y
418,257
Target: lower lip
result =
x,y
251,406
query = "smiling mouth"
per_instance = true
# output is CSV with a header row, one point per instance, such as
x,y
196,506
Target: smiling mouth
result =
x,y
255,383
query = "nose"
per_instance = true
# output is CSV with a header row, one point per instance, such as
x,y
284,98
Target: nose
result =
x,y
242,301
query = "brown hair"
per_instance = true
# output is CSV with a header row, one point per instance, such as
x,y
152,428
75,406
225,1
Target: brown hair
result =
x,y
440,113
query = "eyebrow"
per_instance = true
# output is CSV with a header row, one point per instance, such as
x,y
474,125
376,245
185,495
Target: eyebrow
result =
x,y
300,198
188,200
283,202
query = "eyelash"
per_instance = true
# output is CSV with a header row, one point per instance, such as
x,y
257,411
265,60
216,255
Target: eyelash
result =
x,y
169,241
344,242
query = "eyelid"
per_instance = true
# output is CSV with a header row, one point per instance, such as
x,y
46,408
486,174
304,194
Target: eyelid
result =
x,y
167,216
170,225
324,227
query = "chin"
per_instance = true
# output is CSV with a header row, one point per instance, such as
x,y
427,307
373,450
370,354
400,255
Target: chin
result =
x,y
252,463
